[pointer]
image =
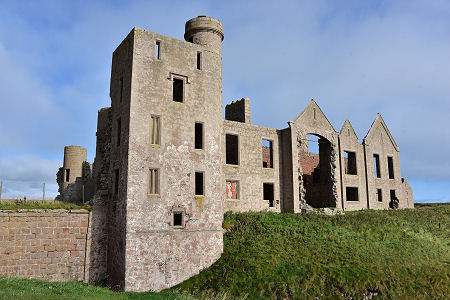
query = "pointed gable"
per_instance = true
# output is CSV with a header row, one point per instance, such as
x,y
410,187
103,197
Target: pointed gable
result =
x,y
348,132
312,116
377,126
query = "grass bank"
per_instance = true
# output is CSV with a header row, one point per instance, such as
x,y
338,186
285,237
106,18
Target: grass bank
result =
x,y
401,254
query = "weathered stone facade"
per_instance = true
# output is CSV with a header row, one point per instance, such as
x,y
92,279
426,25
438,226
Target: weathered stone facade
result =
x,y
168,165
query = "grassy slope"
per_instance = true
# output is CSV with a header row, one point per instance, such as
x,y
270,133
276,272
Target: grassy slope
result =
x,y
396,254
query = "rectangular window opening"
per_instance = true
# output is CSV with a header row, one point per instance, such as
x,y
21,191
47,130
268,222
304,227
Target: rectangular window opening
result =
x,y
232,189
267,153
379,195
116,181
268,193
178,219
153,182
391,167
199,59
155,130
316,175
119,131
178,90
198,136
121,89
232,149
67,175
393,197
350,163
199,190
157,50
376,162
352,193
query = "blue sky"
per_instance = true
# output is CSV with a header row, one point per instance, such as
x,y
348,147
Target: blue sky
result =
x,y
356,58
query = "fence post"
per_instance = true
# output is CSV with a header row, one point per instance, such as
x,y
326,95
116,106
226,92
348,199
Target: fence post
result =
x,y
1,187
43,191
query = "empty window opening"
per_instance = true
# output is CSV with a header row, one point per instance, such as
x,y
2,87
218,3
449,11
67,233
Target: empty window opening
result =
x,y
199,184
198,136
268,193
67,175
232,152
391,167
350,163
267,153
352,193
314,113
178,219
199,60
157,50
121,89
379,195
153,182
119,131
155,130
232,189
316,155
177,90
376,164
394,200
116,181
393,197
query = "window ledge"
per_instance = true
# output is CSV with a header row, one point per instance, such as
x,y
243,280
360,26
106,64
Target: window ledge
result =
x,y
232,200
231,165
355,175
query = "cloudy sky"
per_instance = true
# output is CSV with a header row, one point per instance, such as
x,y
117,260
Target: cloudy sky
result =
x,y
356,58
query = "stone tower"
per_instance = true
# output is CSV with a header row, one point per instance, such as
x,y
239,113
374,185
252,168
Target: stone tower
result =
x,y
165,208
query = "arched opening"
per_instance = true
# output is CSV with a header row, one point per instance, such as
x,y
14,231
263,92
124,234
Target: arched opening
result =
x,y
315,160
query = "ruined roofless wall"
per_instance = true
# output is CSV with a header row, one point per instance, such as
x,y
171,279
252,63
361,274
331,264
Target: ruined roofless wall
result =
x,y
238,111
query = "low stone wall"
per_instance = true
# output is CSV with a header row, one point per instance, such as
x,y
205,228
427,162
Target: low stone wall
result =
x,y
46,244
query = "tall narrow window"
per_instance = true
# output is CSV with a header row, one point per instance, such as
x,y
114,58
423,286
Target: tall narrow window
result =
x,y
178,90
267,154
350,163
376,165
352,193
67,175
314,113
119,131
391,167
157,50
198,136
232,189
232,152
268,193
121,89
380,195
153,182
199,60
155,130
199,184
116,181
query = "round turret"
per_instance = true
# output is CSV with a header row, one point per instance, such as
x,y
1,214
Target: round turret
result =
x,y
74,156
206,31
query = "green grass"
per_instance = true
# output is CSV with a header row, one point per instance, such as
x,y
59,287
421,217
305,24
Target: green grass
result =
x,y
15,204
18,289
402,254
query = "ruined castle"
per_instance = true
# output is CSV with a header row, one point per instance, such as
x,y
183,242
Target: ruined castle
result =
x,y
168,165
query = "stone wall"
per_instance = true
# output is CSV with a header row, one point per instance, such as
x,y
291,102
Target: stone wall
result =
x,y
43,244
55,245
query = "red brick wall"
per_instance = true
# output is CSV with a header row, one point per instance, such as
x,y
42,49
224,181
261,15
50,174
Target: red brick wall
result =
x,y
309,161
44,244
